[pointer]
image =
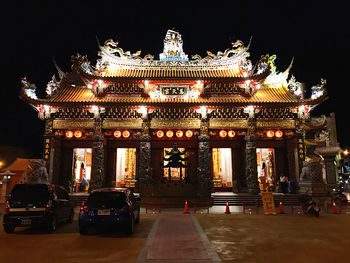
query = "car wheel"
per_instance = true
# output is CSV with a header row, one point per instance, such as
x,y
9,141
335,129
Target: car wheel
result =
x,y
9,228
131,224
83,230
52,225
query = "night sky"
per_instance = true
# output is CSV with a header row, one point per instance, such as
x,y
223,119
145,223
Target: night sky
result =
x,y
316,34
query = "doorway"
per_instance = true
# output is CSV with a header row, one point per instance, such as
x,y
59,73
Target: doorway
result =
x,y
125,167
222,168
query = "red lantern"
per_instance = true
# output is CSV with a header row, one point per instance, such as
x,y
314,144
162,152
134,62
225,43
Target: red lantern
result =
x,y
78,134
270,133
231,134
117,134
169,134
223,133
189,133
69,134
179,134
278,134
126,134
160,134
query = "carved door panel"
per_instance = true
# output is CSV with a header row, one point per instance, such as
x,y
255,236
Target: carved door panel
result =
x,y
156,161
192,162
110,167
66,175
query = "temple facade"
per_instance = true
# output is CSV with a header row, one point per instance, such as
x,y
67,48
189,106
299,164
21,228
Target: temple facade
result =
x,y
175,128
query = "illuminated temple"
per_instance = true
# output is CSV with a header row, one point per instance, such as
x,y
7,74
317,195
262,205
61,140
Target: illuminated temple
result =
x,y
174,128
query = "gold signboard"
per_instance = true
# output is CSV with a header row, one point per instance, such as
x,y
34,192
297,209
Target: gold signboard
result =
x,y
175,124
73,124
221,124
126,124
278,124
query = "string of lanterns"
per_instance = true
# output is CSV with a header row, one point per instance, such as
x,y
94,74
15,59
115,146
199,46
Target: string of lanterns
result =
x,y
170,134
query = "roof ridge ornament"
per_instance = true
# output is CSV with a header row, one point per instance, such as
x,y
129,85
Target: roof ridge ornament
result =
x,y
29,88
172,50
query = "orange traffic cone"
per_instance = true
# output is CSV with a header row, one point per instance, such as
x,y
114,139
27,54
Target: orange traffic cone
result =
x,y
334,208
186,208
280,209
227,211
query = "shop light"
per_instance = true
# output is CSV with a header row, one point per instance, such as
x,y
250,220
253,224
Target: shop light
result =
x,y
270,133
179,134
78,134
126,134
189,133
231,134
160,134
169,134
117,134
278,134
69,134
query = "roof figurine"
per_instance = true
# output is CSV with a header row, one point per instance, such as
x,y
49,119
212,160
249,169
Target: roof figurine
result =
x,y
172,50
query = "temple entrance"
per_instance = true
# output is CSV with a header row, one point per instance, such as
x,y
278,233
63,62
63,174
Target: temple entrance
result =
x,y
81,169
222,169
266,169
125,167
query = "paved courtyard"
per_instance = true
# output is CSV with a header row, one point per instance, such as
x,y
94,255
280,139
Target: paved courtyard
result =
x,y
234,238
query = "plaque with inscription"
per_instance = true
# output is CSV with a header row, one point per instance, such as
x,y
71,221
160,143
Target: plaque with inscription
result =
x,y
174,90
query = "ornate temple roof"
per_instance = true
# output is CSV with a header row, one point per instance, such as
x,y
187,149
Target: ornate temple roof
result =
x,y
225,78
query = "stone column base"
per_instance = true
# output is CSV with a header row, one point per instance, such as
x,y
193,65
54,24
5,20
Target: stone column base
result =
x,y
313,188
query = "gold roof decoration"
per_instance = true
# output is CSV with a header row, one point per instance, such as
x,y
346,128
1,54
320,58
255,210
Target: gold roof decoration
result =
x,y
125,78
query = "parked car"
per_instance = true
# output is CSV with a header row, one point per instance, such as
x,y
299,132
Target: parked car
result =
x,y
37,205
110,207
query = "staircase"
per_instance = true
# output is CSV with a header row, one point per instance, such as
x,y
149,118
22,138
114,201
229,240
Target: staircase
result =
x,y
219,199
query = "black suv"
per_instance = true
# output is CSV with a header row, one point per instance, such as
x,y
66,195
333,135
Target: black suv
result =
x,y
37,205
110,207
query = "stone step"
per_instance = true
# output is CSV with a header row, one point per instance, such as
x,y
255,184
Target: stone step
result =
x,y
220,200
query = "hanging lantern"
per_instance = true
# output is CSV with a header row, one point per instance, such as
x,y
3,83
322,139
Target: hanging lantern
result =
x,y
179,134
160,134
69,134
169,134
189,133
231,134
223,133
117,134
270,133
279,134
126,134
78,134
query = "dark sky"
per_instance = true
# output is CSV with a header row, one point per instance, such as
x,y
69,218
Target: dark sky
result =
x,y
315,33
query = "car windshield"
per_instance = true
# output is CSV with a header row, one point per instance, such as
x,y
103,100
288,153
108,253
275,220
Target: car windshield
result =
x,y
107,200
30,193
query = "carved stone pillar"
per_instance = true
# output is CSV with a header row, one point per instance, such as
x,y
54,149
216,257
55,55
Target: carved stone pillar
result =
x,y
48,146
55,160
145,169
97,165
251,171
205,180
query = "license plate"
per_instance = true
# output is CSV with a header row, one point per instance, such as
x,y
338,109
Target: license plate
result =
x,y
104,212
26,221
